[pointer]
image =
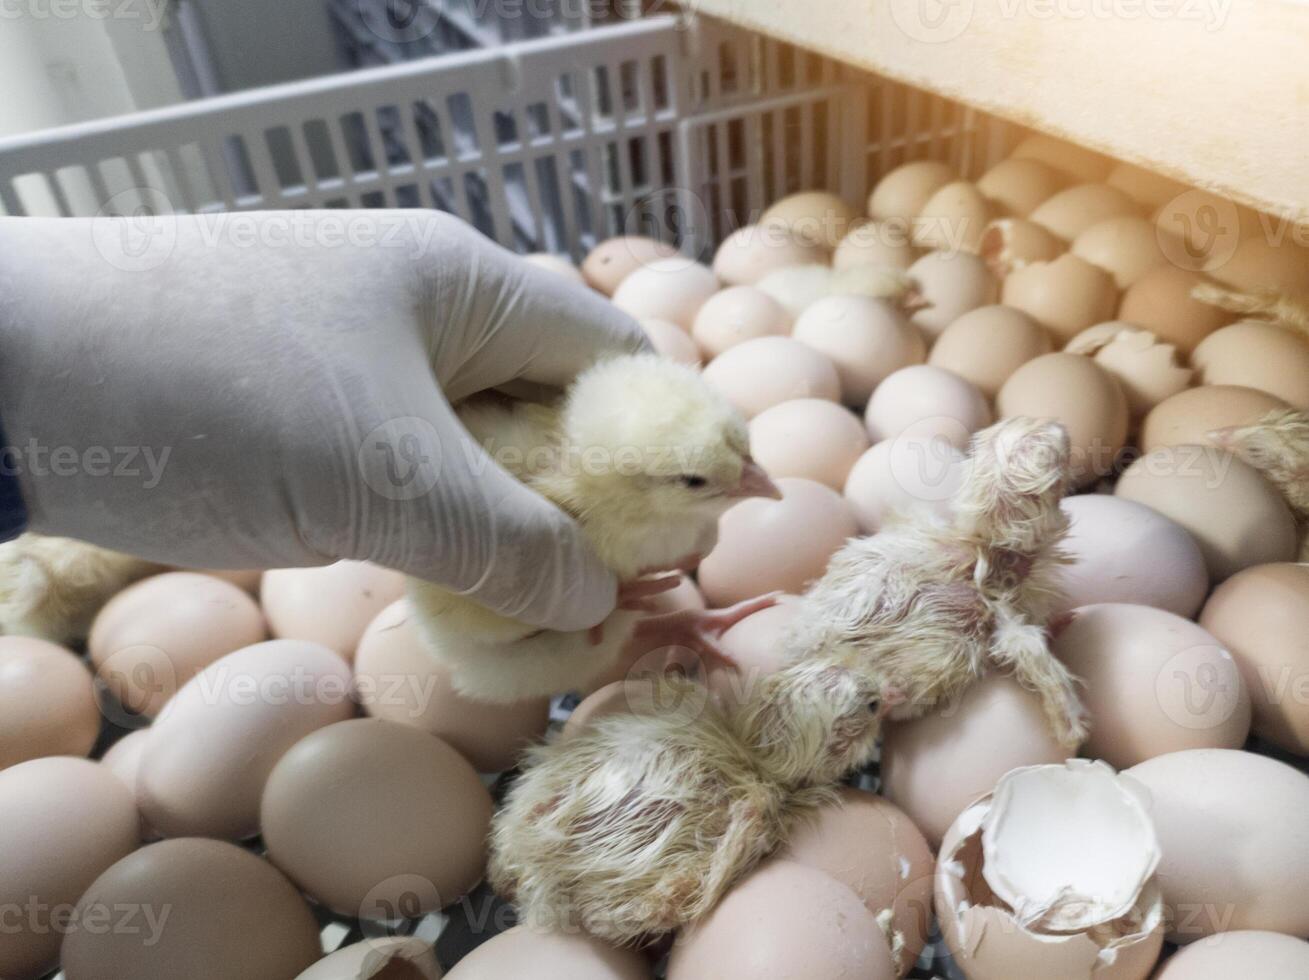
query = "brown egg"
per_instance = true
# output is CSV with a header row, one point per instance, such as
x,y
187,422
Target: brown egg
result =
x,y
936,765
1245,953
816,216
1145,187
612,261
670,289
1261,264
1262,616
124,760
1236,516
1258,355
752,252
332,605
200,909
1080,394
372,839
767,371
525,951
1206,227
878,243
737,314
397,679
898,475
1160,301
868,844
1072,211
1153,683
1234,839
785,920
62,822
865,338
1065,295
1187,417
809,437
988,344
1105,542
952,283
925,402
902,192
209,753
1079,163
1126,247
47,702
1018,186
1146,369
757,644
1009,244
672,342
156,635
775,545
952,219
389,958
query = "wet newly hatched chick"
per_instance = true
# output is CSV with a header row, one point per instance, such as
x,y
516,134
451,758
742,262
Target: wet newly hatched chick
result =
x,y
640,823
52,587
646,457
1278,446
930,603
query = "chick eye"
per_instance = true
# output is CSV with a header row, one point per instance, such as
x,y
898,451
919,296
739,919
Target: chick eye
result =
x,y
874,706
693,482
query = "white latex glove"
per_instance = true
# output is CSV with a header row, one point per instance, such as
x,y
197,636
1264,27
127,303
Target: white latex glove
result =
x,y
274,389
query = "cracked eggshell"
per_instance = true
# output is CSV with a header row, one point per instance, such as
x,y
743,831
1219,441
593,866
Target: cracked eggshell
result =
x,y
902,192
988,344
523,952
935,766
1072,211
613,260
1009,244
951,283
1147,370
670,289
1141,669
870,845
331,605
752,252
952,219
767,371
784,921
809,437
392,958
1105,542
1065,295
1160,301
866,338
1235,841
1126,247
1246,953
1071,840
820,217
925,402
1018,186
735,315
1271,358
1189,416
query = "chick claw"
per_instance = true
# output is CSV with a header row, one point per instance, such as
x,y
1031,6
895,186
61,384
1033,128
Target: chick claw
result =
x,y
636,596
698,630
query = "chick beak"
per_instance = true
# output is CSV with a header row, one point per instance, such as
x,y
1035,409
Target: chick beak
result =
x,y
755,483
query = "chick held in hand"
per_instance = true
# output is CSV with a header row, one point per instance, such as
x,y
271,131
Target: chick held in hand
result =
x,y
645,457
933,601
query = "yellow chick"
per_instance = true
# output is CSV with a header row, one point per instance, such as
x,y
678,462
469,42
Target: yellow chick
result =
x,y
645,457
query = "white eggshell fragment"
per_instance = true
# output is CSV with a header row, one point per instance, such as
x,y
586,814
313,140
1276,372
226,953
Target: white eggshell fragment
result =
x,y
866,339
925,402
331,605
398,957
1148,371
1106,539
1010,244
1235,841
735,315
1153,683
899,475
767,371
809,437
951,284
670,289
1051,876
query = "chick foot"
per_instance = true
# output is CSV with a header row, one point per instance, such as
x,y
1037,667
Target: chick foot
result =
x,y
697,630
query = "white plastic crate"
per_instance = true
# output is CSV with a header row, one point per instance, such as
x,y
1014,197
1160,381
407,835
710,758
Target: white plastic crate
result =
x,y
658,125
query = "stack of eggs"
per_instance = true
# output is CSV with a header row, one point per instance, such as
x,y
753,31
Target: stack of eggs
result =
x,y
297,758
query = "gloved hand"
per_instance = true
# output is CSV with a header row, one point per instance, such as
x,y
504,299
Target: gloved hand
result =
x,y
274,389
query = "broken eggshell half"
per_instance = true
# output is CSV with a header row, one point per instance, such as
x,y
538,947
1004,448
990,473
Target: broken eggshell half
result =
x,y
1052,874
